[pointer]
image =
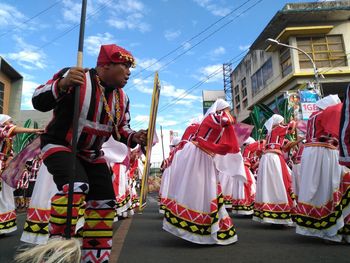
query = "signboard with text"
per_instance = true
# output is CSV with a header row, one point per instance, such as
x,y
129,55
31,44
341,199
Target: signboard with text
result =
x,y
308,99
207,105
210,96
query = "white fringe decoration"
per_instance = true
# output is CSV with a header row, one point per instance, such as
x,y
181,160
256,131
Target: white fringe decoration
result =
x,y
55,251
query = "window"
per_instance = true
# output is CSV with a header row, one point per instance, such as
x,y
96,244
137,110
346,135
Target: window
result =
x,y
285,61
273,105
237,99
326,51
260,78
2,90
245,103
244,87
236,90
238,109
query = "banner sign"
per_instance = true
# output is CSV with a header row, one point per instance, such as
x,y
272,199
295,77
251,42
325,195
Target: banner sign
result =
x,y
308,99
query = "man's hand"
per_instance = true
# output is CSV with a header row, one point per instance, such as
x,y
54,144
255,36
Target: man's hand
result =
x,y
140,137
75,77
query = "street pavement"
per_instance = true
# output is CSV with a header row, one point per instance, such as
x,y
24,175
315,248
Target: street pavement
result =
x,y
141,239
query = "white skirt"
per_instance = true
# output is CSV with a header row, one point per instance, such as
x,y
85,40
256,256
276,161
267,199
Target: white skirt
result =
x,y
227,183
36,227
194,208
243,194
122,191
272,200
7,209
164,188
296,178
319,211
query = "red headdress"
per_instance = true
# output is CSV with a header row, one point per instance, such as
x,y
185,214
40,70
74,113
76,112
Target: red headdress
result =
x,y
114,54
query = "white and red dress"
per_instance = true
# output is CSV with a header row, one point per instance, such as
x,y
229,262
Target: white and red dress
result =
x,y
166,165
7,201
322,206
244,194
194,208
273,199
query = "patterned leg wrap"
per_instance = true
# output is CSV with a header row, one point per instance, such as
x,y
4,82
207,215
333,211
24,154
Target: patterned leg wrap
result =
x,y
98,231
59,203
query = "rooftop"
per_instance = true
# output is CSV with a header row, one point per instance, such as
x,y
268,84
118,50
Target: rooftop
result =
x,y
295,14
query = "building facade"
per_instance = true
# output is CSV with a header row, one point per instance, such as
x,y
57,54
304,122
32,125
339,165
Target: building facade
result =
x,y
321,29
11,83
210,96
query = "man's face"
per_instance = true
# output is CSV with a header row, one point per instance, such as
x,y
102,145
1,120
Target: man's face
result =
x,y
117,74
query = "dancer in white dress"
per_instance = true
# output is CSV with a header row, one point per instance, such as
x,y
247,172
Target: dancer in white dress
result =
x,y
273,200
195,210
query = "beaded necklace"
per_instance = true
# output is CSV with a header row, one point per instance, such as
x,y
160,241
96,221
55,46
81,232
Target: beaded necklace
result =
x,y
108,110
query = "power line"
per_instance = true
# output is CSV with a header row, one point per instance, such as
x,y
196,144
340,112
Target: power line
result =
x,y
192,38
71,28
195,86
31,18
216,72
199,42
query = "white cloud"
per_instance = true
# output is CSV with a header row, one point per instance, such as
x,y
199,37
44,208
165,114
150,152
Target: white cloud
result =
x,y
186,45
183,102
128,6
244,47
141,118
171,35
10,17
143,85
28,56
218,51
166,122
149,64
210,73
132,21
27,93
215,9
169,90
139,105
128,14
93,43
71,11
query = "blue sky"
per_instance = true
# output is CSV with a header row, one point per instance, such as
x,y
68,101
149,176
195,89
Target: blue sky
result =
x,y
39,37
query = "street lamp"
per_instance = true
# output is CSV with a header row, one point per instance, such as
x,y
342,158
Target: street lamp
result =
x,y
276,42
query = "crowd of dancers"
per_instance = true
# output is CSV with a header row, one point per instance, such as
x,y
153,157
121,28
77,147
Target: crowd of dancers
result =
x,y
209,175
278,181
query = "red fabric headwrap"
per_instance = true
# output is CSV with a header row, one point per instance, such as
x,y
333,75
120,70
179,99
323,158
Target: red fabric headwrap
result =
x,y
115,54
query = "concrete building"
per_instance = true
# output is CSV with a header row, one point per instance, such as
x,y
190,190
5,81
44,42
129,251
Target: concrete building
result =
x,y
10,90
322,29
210,96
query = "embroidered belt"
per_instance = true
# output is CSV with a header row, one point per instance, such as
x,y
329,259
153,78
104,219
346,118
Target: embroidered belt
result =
x,y
273,151
320,144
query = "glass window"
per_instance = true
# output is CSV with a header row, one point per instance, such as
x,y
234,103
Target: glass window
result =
x,y
237,99
236,90
244,87
245,103
238,109
260,78
2,90
326,51
285,61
